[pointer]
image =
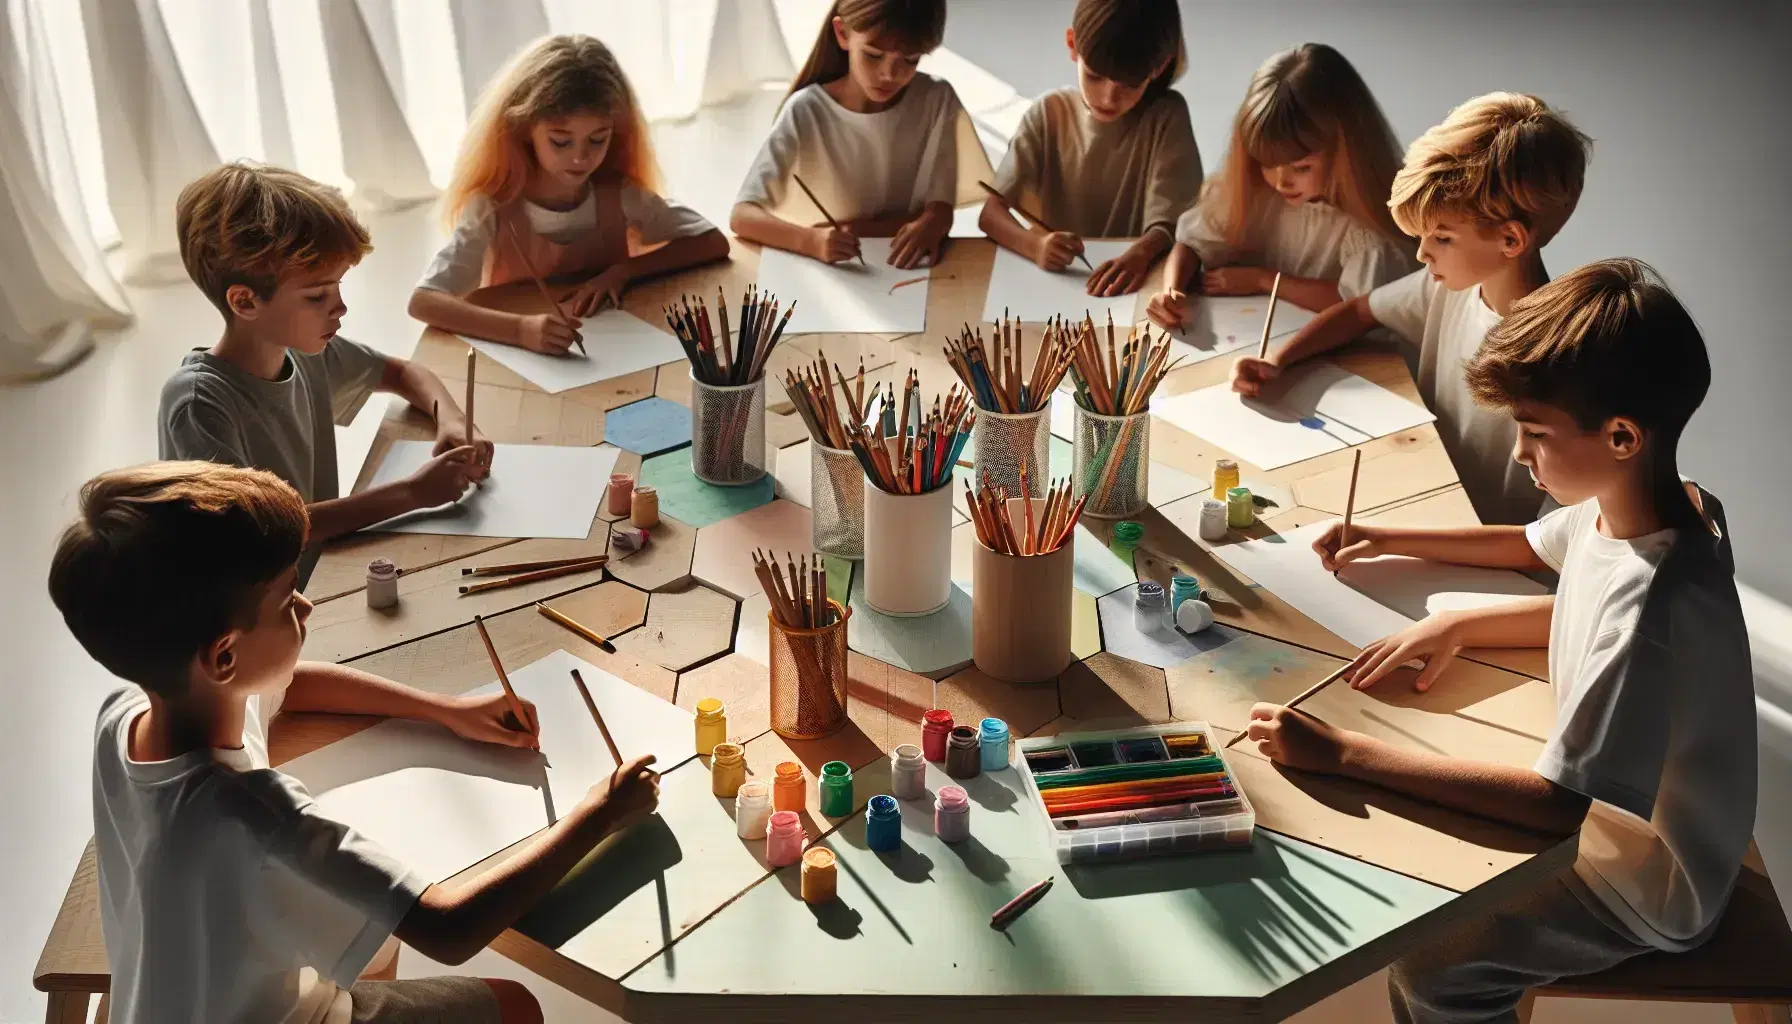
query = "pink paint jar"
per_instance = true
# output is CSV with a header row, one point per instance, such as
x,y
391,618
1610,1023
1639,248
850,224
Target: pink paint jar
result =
x,y
622,494
784,839
952,815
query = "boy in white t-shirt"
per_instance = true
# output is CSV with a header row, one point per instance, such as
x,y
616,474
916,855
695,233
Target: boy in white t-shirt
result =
x,y
1484,192
1652,756
224,895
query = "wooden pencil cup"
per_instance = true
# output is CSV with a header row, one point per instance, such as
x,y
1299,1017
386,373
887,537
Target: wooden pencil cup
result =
x,y
1113,460
908,550
1020,613
1003,444
727,432
837,501
808,672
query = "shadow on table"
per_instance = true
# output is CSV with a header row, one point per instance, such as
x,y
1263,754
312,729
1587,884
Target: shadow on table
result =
x,y
1356,798
633,859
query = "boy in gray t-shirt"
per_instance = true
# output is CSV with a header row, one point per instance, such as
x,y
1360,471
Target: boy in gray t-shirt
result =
x,y
269,247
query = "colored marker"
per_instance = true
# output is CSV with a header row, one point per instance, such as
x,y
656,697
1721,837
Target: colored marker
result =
x,y
1010,911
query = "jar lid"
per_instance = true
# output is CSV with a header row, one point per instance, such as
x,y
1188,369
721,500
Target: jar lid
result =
x,y
709,706
882,805
953,797
1238,494
818,858
836,770
906,752
788,771
1128,531
938,716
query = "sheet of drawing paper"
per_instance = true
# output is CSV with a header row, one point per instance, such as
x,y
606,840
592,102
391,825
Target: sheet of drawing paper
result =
x,y
618,343
1018,285
1219,324
847,297
1373,598
535,490
441,804
1314,408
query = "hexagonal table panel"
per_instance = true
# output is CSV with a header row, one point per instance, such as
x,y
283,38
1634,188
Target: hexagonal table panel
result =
x,y
664,561
1162,647
683,627
724,549
931,645
685,497
649,427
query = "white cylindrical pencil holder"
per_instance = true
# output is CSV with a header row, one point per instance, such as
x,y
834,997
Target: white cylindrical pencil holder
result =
x,y
1003,444
727,432
908,550
1113,460
837,501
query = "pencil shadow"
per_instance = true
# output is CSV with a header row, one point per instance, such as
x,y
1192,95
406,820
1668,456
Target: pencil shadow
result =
x,y
983,863
626,862
1414,737
1461,686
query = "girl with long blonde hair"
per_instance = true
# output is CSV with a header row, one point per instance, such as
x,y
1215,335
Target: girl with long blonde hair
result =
x,y
1303,192
556,176
887,151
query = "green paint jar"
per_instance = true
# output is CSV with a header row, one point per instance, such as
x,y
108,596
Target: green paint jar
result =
x,y
1127,535
1240,512
835,785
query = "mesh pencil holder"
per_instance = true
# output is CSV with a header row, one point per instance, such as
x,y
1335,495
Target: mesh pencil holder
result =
x,y
1020,613
1113,457
1003,444
837,501
808,671
728,432
908,550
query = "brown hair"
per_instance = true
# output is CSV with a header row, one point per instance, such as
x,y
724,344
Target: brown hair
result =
x,y
1125,40
1497,158
1608,339
250,224
169,556
1301,101
912,26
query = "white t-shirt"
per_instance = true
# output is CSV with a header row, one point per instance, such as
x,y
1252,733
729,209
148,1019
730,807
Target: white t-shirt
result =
x,y
458,266
888,164
1315,240
1655,717
224,896
1448,327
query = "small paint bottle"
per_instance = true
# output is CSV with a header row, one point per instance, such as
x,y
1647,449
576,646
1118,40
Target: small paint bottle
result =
x,y
626,540
644,507
1149,609
1213,519
1225,477
1183,587
727,769
820,876
784,838
1127,535
620,495
1194,616
787,787
712,725
992,743
963,759
883,823
1240,512
952,815
752,807
908,772
382,583
835,785
936,725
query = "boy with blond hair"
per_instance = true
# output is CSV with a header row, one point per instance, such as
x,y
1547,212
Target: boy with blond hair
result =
x,y
1483,192
225,896
1652,755
269,248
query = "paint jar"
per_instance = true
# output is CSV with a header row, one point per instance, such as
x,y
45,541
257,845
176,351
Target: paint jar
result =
x,y
644,507
784,837
626,540
883,824
1127,535
727,432
992,741
908,772
836,501
712,725
808,677
1182,588
963,759
727,769
1194,616
1150,612
1021,611
1225,477
1112,461
1240,513
752,807
1213,520
620,494
382,583
835,785
1006,443
908,551
820,876
787,787
936,725
952,815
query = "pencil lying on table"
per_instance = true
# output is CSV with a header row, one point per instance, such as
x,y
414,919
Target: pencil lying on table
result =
x,y
516,703
522,256
996,194
1299,698
585,565
506,568
825,215
570,623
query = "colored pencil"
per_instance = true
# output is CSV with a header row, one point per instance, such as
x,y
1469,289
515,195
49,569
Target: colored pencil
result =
x,y
1300,698
510,567
801,602
1014,908
1269,316
713,360
1356,463
573,624
597,716
1032,217
516,703
1003,389
1038,535
917,454
812,393
824,212
540,574
516,245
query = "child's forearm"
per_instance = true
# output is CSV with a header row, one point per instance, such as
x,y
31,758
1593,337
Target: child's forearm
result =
x,y
456,315
341,516
678,254
1180,269
321,686
1493,547
1516,796
757,224
1005,231
1314,294
1520,622
1343,322
1152,244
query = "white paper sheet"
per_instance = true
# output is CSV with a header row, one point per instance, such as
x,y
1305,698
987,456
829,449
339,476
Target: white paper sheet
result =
x,y
1316,407
846,297
1219,324
1370,599
535,490
441,804
616,343
1034,295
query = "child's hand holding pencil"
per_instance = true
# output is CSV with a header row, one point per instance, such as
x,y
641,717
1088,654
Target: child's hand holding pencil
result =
x,y
490,719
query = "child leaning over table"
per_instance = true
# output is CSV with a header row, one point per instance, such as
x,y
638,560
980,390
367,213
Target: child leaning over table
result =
x,y
225,896
1652,756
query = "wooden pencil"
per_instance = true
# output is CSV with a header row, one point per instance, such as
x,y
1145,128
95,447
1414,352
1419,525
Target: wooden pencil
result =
x,y
506,568
472,362
1031,216
597,716
824,212
1356,463
510,697
540,574
570,623
1299,698
1269,317
522,255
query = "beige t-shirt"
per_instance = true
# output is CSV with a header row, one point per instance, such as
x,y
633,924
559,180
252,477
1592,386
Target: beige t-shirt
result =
x,y
1313,240
1114,180
1448,327
922,149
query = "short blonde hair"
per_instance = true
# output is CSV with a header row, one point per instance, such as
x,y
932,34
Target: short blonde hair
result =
x,y
250,224
1497,158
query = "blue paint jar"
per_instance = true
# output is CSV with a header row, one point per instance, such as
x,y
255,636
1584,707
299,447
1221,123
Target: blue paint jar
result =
x,y
992,740
883,824
1182,588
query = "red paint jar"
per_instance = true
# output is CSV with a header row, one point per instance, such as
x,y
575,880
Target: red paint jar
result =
x,y
936,725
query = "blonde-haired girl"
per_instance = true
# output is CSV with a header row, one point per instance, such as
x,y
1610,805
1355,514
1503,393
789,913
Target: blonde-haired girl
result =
x,y
1304,192
557,163
886,150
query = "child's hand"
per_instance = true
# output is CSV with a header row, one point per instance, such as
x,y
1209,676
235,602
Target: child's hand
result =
x,y
452,433
443,479
1057,249
918,243
1250,375
546,333
833,245
488,719
1287,736
603,290
1168,309
1121,275
1365,542
1434,640
1236,281
628,795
